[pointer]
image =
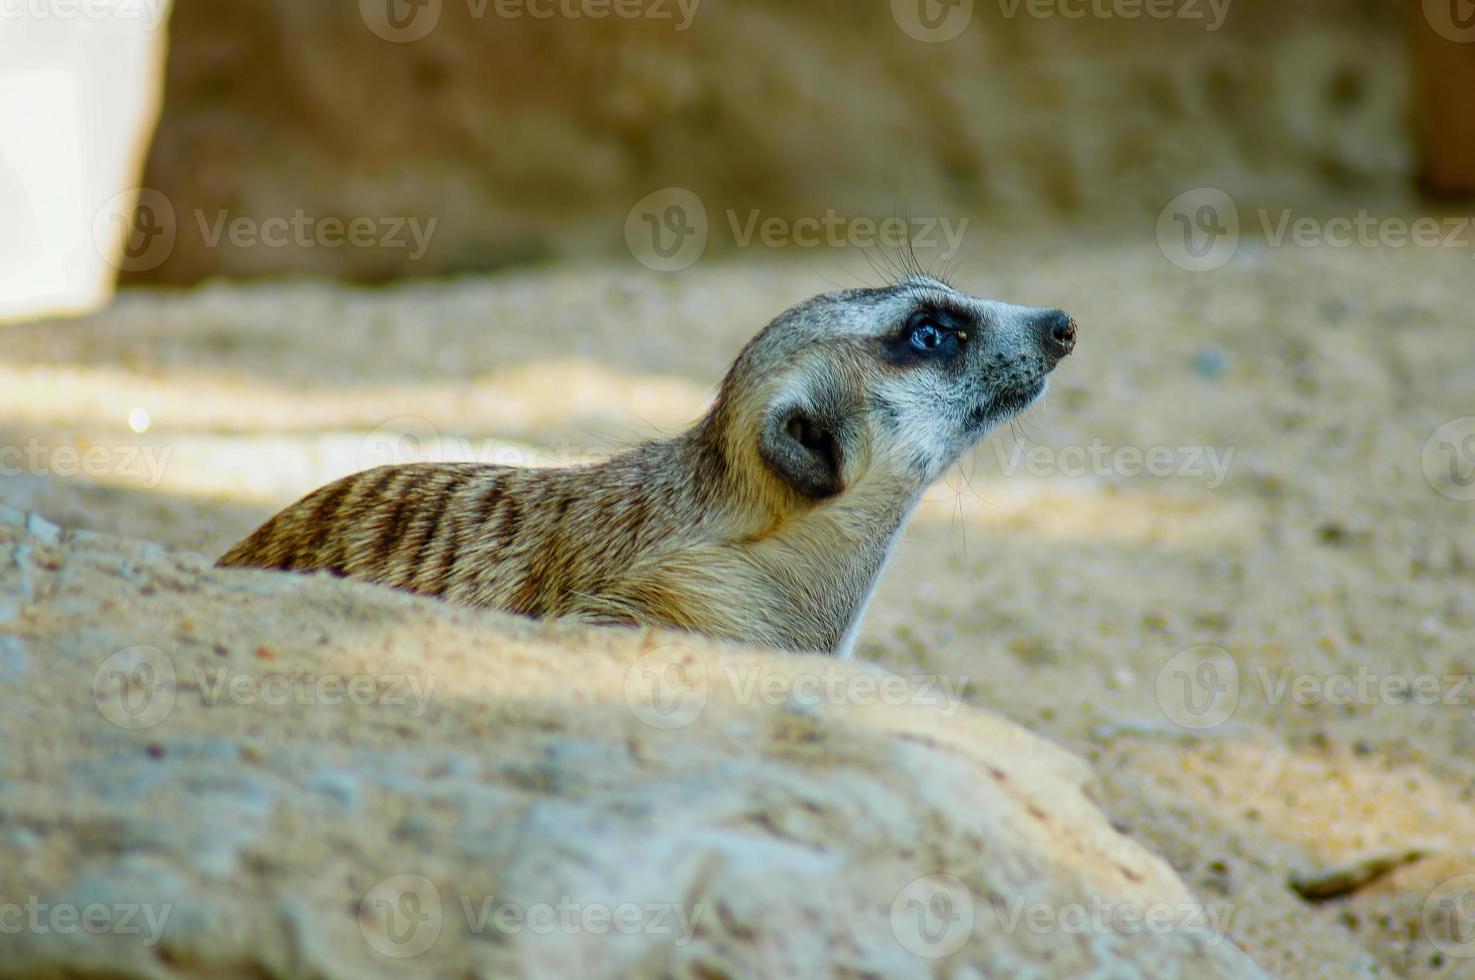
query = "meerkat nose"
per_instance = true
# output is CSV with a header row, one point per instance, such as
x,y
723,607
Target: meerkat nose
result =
x,y
1057,332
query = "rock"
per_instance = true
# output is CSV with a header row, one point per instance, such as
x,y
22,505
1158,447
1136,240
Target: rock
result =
x,y
440,791
1326,884
39,527
14,664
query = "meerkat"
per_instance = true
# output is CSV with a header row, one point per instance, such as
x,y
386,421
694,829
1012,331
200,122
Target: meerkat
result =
x,y
769,521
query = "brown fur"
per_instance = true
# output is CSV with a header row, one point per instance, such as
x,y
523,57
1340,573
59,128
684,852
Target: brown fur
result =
x,y
751,525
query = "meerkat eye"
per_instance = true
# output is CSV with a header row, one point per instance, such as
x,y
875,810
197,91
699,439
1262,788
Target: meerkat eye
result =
x,y
927,336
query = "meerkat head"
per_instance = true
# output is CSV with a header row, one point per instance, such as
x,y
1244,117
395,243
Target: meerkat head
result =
x,y
885,386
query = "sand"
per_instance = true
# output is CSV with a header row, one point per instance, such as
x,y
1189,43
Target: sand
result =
x,y
1233,464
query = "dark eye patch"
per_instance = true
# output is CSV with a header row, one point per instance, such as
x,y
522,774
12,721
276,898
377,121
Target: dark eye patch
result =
x,y
931,333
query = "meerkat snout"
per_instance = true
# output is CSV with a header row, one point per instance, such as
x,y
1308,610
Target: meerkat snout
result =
x,y
769,521
1058,332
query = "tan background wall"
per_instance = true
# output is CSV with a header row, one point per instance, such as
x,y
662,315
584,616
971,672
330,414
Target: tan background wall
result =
x,y
527,138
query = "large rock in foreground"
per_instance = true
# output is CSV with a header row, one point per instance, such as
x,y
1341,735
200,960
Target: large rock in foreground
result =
x,y
210,773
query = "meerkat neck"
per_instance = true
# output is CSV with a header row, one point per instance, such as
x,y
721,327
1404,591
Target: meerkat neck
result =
x,y
814,562
721,475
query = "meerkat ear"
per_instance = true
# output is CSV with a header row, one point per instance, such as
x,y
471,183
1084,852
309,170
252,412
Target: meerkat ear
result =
x,y
804,449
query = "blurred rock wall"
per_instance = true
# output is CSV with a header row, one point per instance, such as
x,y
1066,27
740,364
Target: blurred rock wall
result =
x,y
417,137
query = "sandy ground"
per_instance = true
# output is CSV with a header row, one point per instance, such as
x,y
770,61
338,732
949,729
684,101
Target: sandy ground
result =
x,y
1218,561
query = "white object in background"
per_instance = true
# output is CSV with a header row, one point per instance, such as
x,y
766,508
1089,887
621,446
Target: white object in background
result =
x,y
80,86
